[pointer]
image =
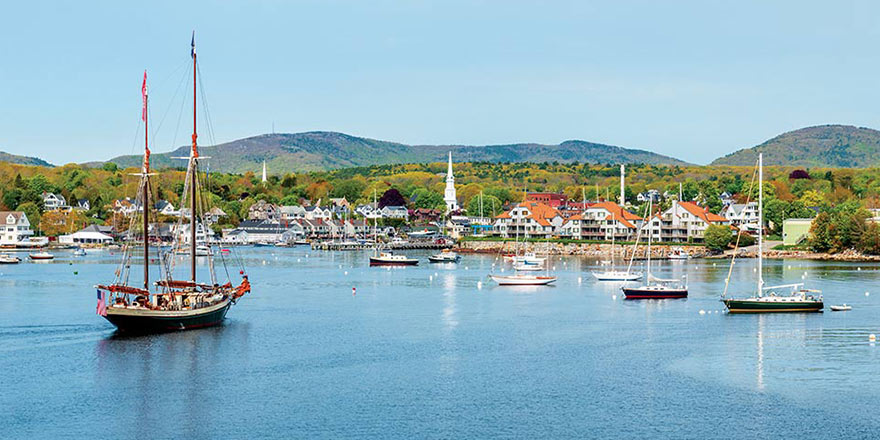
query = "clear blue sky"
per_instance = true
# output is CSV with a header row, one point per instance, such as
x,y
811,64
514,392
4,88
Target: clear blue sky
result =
x,y
693,80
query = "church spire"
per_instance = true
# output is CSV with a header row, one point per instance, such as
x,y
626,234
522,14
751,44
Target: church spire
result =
x,y
449,194
264,172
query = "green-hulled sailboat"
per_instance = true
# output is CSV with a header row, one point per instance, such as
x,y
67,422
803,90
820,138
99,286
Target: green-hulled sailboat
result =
x,y
783,298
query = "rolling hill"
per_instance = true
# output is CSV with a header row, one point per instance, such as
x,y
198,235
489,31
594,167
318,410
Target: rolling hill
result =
x,y
843,146
320,150
23,160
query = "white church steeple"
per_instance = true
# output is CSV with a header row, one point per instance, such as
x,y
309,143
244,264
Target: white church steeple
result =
x,y
264,171
449,194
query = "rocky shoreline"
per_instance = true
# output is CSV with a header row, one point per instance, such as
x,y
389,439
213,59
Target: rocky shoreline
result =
x,y
596,250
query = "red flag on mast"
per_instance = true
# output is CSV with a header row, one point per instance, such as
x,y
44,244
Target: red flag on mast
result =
x,y
144,96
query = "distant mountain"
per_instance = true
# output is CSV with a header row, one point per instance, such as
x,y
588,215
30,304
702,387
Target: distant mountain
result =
x,y
841,146
320,150
23,160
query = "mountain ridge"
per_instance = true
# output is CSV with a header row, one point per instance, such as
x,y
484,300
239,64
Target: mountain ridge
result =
x,y
23,160
819,146
326,150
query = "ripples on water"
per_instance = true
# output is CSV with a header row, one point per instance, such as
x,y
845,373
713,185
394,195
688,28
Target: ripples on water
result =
x,y
425,352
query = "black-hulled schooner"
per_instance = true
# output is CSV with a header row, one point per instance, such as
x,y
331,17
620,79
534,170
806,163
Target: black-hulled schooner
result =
x,y
168,304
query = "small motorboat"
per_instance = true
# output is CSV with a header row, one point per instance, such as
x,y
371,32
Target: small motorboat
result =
x,y
841,308
9,259
522,280
42,255
528,267
678,254
301,242
446,256
390,259
79,252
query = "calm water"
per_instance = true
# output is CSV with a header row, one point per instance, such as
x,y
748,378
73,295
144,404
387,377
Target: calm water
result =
x,y
423,352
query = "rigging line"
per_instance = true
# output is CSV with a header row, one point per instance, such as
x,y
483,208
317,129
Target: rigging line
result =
x,y
179,118
207,115
168,108
739,233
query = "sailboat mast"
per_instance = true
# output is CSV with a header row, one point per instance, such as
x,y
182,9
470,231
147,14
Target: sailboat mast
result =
x,y
760,224
193,174
650,213
146,189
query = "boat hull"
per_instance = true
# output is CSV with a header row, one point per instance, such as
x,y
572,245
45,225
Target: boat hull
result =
x,y
642,293
140,321
381,262
522,281
434,259
750,306
617,276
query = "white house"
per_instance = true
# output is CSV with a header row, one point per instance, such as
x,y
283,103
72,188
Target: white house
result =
x,y
52,202
602,221
85,237
291,212
15,229
369,210
165,207
741,214
684,221
395,212
528,219
318,213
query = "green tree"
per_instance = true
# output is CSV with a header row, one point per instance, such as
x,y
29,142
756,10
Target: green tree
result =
x,y
427,199
111,167
489,203
869,243
350,189
32,211
820,234
717,237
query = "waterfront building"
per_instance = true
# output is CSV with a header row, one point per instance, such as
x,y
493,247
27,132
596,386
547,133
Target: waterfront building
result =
x,y
685,222
449,193
15,228
528,219
795,230
742,215
165,207
605,221
86,236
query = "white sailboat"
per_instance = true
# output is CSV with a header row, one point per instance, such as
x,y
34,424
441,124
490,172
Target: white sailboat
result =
x,y
522,279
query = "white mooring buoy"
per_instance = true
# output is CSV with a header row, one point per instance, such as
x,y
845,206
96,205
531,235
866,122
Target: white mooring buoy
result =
x,y
479,284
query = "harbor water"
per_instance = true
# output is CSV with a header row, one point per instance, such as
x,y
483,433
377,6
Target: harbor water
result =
x,y
327,347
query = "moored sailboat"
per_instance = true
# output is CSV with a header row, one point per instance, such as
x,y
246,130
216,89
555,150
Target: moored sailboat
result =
x,y
655,288
768,299
175,304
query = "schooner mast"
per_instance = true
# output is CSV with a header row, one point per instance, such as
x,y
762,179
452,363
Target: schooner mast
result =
x,y
193,171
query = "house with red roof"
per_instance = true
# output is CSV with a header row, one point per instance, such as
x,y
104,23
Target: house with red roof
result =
x,y
528,219
602,221
683,222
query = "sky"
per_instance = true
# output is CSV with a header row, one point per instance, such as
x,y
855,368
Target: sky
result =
x,y
694,80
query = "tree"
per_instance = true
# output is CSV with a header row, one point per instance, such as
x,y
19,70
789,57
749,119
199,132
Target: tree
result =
x,y
350,189
391,197
717,237
61,222
811,198
870,240
32,211
427,199
110,166
489,202
820,236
